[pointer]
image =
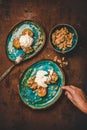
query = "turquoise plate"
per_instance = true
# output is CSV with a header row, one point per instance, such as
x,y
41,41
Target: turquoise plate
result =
x,y
30,97
70,29
39,38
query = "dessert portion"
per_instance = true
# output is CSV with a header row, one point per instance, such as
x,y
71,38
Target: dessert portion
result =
x,y
41,81
24,41
62,38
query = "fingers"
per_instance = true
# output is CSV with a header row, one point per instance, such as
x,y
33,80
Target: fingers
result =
x,y
69,92
68,88
72,89
69,96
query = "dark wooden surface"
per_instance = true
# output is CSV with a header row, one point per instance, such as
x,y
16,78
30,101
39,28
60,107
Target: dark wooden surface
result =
x,y
14,114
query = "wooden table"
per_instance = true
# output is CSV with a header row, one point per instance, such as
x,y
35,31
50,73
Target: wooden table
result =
x,y
14,114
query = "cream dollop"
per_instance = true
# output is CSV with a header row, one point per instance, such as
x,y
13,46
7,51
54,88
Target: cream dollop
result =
x,y
41,78
26,40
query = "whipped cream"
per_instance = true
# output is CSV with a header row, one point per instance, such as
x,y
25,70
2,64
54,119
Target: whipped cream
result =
x,y
41,78
25,40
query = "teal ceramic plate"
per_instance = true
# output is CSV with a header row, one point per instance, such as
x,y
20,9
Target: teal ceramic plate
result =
x,y
54,91
71,30
38,36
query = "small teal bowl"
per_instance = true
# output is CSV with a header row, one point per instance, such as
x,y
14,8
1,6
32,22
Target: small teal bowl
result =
x,y
71,30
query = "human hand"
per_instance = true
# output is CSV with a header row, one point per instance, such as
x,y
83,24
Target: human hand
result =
x,y
77,97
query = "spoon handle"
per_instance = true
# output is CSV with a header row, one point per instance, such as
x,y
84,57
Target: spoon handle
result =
x,y
7,72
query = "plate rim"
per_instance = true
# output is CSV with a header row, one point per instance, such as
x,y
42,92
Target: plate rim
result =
x,y
55,97
13,27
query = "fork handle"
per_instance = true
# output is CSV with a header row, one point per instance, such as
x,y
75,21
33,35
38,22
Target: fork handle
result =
x,y
7,72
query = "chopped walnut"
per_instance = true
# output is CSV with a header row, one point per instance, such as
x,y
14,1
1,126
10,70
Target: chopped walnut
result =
x,y
62,38
61,61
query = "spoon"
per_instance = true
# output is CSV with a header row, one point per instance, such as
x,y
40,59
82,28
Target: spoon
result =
x,y
18,60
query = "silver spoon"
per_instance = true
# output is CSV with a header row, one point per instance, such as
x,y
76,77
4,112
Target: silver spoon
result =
x,y
18,60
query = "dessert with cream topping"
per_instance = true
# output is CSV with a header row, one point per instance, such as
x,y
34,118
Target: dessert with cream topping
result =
x,y
24,41
41,81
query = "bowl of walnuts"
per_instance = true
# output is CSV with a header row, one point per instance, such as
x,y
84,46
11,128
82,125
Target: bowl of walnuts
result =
x,y
63,38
